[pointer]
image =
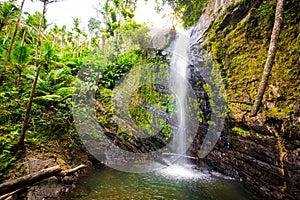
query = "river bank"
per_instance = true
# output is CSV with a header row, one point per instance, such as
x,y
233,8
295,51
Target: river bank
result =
x,y
47,156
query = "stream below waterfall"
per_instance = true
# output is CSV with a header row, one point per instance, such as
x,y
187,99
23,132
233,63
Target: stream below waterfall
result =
x,y
175,182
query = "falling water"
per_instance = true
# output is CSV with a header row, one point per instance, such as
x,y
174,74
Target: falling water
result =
x,y
178,66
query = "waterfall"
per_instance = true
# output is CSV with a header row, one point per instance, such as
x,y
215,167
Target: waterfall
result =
x,y
192,70
178,75
189,71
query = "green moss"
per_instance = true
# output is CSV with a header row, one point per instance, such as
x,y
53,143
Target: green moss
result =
x,y
143,118
240,52
241,131
104,114
279,113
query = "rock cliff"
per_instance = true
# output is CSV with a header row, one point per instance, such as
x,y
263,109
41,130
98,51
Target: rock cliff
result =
x,y
261,152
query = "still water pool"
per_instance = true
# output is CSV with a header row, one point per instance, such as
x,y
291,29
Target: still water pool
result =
x,y
175,183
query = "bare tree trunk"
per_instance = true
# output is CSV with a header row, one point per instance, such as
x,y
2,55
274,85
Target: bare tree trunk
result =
x,y
12,42
23,37
1,26
6,36
18,78
21,145
270,58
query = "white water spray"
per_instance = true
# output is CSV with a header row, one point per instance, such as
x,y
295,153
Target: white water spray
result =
x,y
179,73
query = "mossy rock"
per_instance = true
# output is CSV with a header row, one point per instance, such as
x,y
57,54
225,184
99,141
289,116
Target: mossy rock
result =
x,y
48,99
65,92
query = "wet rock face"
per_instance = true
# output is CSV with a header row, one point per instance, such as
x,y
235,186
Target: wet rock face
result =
x,y
256,164
265,163
254,161
49,189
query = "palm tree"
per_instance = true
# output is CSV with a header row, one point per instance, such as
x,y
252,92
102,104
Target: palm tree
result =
x,y
77,32
20,59
12,41
31,27
7,31
69,41
63,39
8,14
271,56
55,33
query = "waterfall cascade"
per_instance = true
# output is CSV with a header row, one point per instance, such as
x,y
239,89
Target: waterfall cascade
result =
x,y
191,67
178,65
143,154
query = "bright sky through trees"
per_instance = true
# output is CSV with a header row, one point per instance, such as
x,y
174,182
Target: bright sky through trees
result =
x,y
61,13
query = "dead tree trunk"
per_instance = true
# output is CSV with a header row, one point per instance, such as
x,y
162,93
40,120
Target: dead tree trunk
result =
x,y
31,179
180,155
271,56
69,172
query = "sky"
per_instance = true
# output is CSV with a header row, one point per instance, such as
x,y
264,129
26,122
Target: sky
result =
x,y
62,13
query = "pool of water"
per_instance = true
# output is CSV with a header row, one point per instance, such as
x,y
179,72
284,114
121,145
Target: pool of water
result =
x,y
175,183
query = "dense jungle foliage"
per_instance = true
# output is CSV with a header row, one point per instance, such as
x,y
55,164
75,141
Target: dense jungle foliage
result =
x,y
54,55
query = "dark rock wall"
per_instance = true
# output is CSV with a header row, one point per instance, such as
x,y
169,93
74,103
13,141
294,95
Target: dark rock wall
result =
x,y
256,164
260,152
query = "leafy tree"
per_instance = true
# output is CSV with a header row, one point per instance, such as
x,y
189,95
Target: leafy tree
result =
x,y
188,11
94,25
117,69
115,13
95,30
132,34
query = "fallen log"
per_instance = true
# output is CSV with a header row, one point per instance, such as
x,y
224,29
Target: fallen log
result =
x,y
180,155
31,179
9,194
69,172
